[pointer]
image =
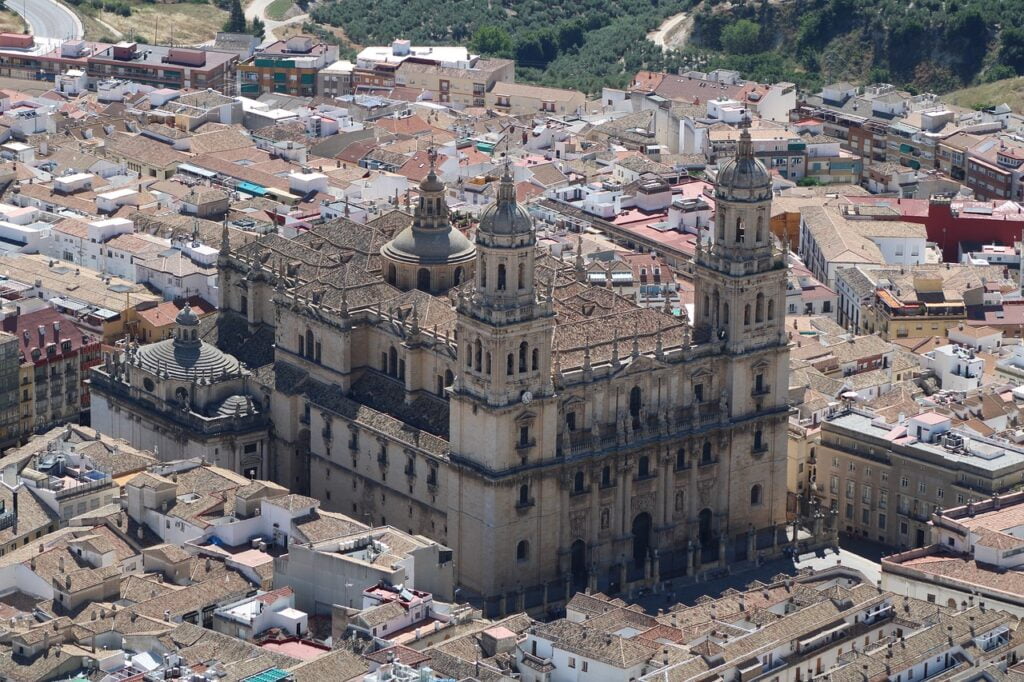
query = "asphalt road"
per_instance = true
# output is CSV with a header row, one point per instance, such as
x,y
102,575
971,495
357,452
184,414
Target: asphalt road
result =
x,y
48,19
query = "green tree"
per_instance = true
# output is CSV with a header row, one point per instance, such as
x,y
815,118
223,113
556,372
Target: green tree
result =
x,y
258,28
492,41
741,37
236,19
1011,50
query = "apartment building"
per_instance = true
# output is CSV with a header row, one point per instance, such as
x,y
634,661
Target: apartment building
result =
x,y
518,99
55,356
926,300
286,66
794,155
884,479
994,169
456,86
833,237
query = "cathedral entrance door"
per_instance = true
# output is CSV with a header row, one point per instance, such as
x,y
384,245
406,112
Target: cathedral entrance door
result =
x,y
706,535
578,564
641,538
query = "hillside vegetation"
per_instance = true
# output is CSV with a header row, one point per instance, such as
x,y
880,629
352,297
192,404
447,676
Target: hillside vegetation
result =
x,y
1007,91
936,45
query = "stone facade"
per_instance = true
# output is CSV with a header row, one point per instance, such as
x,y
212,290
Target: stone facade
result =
x,y
555,435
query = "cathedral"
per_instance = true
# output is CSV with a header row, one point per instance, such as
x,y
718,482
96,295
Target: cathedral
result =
x,y
554,434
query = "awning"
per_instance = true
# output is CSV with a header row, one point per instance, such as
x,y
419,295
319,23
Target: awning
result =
x,y
196,170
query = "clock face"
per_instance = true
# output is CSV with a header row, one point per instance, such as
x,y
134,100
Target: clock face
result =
x,y
527,397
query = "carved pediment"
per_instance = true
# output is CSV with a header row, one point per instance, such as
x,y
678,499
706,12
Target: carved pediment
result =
x,y
639,365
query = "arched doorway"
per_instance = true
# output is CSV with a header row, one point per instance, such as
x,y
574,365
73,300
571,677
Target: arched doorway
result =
x,y
641,538
423,279
578,564
705,533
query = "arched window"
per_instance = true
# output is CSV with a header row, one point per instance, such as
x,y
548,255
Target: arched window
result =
x,y
759,234
469,356
721,231
392,274
635,401
309,343
510,364
758,439
392,361
577,482
771,309
759,309
681,458
487,363
739,230
725,313
746,314
524,494
705,454
457,276
535,364
477,354
521,278
522,551
606,477
523,349
501,277
707,306
423,279
483,275
755,494
643,467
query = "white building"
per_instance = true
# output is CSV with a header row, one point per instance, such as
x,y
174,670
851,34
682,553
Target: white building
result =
x,y
984,339
249,617
955,367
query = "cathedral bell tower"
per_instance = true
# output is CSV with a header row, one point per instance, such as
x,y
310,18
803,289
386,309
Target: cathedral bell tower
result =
x,y
503,394
503,410
740,286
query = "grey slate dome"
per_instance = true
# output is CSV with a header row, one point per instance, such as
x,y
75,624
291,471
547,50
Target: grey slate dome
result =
x,y
185,360
185,356
431,239
743,178
505,216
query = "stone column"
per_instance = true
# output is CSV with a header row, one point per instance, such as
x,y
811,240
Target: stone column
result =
x,y
656,569
623,574
723,541
693,550
661,515
751,543
627,497
595,508
617,514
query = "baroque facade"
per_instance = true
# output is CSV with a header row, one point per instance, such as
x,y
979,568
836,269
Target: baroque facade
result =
x,y
554,434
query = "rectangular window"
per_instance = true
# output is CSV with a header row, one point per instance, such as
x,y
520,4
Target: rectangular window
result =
x,y
865,494
572,662
903,527
881,522
834,485
849,512
922,488
865,516
851,489
883,498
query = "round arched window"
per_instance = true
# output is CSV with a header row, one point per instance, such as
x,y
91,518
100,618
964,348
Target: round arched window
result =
x,y
147,384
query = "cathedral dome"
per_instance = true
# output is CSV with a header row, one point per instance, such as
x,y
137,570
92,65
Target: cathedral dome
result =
x,y
185,360
506,216
743,178
429,247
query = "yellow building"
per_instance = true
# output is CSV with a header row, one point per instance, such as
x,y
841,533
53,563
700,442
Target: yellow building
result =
x,y
518,99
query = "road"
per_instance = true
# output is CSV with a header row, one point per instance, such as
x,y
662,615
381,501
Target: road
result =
x,y
673,32
258,8
48,18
